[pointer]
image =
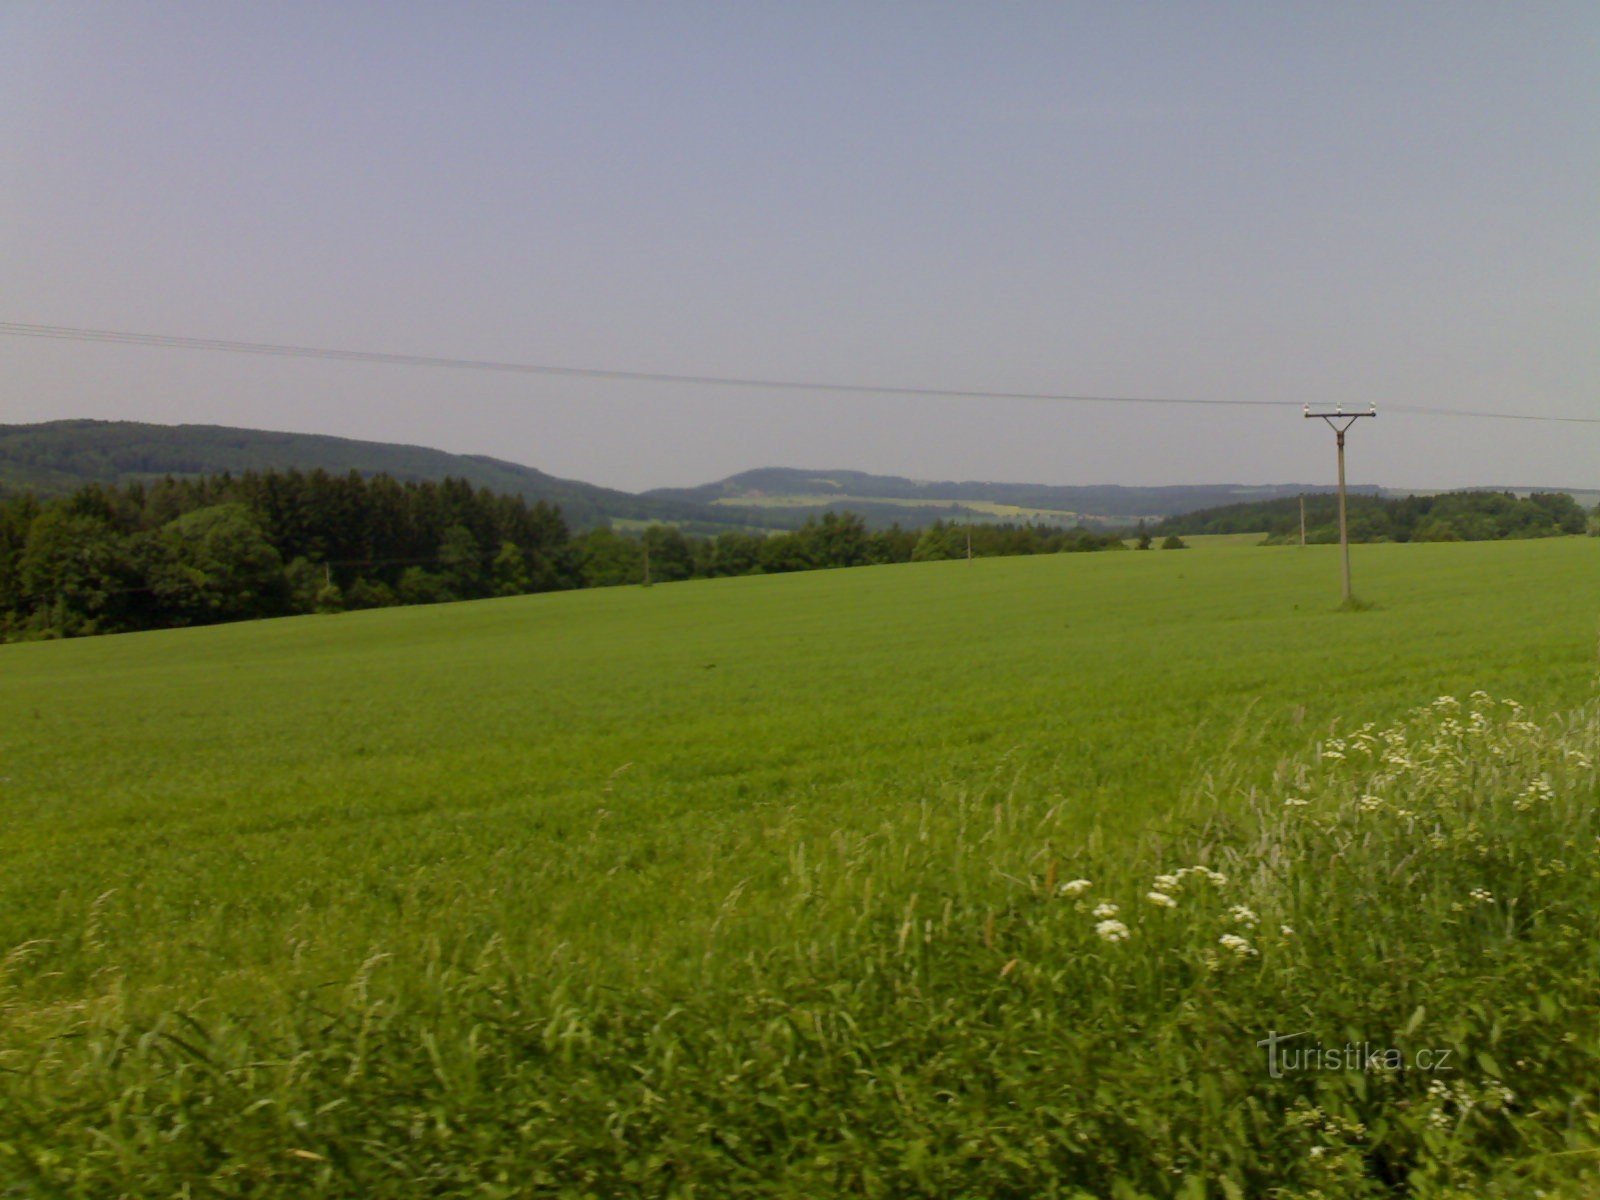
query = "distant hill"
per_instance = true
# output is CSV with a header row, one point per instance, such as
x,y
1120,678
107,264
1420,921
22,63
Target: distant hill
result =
x,y
59,456
883,498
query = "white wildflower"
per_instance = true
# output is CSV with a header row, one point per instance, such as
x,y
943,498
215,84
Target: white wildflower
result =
x,y
1169,883
1240,946
1076,887
1105,909
1286,930
1482,895
1536,791
1295,802
1112,931
1161,900
1370,803
1243,914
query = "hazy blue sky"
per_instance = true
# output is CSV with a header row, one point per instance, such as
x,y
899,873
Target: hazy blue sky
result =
x,y
1340,202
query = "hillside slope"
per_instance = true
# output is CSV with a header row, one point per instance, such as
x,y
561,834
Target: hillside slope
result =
x,y
58,456
791,492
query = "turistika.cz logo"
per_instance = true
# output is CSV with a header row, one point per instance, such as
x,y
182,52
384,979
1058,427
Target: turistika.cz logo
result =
x,y
1286,1056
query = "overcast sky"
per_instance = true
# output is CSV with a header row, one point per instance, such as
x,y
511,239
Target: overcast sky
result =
x,y
1325,203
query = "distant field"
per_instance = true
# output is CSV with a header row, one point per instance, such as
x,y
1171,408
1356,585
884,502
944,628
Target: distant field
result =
x,y
1000,512
735,886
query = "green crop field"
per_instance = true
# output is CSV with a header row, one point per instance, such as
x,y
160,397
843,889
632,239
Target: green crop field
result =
x,y
774,886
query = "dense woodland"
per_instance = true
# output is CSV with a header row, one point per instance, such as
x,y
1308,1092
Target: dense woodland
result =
x,y
225,548
1446,517
59,457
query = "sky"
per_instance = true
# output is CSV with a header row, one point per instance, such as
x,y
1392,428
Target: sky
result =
x,y
1354,203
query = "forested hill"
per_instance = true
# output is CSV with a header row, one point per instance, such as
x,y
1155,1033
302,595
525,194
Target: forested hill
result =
x,y
60,456
1445,517
779,489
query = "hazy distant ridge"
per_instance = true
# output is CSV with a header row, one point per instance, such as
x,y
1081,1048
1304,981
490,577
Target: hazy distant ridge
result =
x,y
1096,500
58,456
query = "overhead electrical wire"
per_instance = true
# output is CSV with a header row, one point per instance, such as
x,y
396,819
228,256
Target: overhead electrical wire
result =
x,y
172,342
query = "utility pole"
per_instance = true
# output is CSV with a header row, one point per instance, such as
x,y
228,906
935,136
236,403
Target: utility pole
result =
x,y
1302,520
969,541
646,543
1339,421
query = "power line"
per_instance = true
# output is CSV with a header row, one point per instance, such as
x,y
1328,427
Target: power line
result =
x,y
417,360
1426,411
172,342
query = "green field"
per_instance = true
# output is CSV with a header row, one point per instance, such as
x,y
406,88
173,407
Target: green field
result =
x,y
752,887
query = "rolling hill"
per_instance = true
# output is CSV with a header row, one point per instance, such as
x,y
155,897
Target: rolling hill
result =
x,y
885,498
58,456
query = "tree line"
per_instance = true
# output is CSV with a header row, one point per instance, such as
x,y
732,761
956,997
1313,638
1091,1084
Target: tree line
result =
x,y
1445,517
196,551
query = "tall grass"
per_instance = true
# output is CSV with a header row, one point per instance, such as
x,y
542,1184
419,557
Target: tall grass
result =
x,y
964,996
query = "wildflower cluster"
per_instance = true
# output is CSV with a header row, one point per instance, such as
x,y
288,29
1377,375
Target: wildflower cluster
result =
x,y
1441,772
1241,947
1163,894
1107,927
1408,813
1451,1102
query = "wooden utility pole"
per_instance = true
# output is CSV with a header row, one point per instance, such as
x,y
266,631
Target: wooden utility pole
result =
x,y
1302,520
646,543
969,541
1339,421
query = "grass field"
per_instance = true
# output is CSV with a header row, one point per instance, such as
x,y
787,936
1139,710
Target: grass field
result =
x,y
753,886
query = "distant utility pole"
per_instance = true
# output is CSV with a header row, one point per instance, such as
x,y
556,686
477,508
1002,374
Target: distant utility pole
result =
x,y
646,562
1339,421
969,541
1302,520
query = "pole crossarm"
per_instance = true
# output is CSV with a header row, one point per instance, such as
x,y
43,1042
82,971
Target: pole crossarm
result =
x,y
1337,415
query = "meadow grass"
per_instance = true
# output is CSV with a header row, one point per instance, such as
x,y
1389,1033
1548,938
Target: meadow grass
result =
x,y
754,886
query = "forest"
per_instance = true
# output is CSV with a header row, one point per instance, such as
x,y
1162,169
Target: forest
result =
x,y
197,551
1445,517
